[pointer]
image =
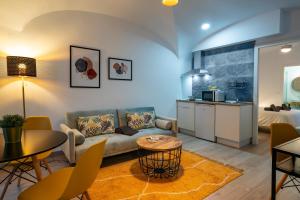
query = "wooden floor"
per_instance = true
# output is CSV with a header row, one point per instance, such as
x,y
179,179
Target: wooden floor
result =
x,y
255,184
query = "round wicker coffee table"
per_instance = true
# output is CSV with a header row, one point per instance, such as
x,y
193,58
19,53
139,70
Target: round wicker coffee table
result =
x,y
159,155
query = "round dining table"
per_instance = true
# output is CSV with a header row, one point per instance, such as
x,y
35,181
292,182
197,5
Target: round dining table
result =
x,y
33,142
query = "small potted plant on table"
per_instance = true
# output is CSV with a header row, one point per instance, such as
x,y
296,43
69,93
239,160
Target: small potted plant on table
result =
x,y
12,128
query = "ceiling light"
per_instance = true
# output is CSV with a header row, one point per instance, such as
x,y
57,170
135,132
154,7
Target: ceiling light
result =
x,y
286,49
205,26
170,3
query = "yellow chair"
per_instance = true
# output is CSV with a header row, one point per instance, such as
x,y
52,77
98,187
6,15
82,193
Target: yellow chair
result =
x,y
39,123
281,133
69,182
36,123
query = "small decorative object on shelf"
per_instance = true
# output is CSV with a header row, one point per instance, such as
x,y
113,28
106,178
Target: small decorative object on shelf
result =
x,y
12,128
212,87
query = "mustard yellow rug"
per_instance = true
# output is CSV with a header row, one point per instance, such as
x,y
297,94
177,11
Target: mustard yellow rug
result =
x,y
197,178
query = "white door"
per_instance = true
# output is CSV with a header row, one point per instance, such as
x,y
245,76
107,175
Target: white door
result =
x,y
205,121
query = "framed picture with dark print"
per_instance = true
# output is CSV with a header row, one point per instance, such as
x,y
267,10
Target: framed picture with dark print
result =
x,y
84,67
119,69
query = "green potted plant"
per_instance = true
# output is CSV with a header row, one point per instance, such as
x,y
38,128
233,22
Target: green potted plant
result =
x,y
12,128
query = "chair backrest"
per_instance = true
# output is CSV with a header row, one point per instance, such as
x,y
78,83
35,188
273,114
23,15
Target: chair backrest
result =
x,y
37,123
281,133
85,171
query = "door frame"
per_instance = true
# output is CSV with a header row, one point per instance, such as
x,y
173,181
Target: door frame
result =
x,y
256,81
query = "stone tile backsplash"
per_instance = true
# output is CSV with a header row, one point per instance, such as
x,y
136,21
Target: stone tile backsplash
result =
x,y
231,70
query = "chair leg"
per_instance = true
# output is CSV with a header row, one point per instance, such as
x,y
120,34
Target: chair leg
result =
x,y
86,195
281,182
8,182
19,179
47,166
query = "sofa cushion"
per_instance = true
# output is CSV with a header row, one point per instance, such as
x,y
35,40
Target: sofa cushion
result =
x,y
118,143
163,124
96,125
141,120
135,121
71,117
122,113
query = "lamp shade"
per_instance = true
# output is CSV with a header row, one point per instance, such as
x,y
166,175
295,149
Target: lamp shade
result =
x,y
21,66
170,3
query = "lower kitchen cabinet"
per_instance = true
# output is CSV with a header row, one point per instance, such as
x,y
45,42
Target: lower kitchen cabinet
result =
x,y
205,121
233,125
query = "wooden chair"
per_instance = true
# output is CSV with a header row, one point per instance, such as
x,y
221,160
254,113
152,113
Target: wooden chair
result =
x,y
281,133
69,182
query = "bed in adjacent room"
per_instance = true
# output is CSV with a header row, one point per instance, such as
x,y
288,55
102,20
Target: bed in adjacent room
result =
x,y
266,118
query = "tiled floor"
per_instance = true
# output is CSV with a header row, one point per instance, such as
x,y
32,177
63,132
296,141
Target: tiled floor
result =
x,y
254,160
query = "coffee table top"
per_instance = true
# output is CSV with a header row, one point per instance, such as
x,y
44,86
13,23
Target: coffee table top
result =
x,y
158,142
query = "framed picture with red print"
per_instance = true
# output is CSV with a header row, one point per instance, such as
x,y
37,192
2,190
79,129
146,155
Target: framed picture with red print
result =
x,y
119,69
84,67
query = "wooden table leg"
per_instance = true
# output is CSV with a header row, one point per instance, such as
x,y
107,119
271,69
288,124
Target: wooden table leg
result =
x,y
37,168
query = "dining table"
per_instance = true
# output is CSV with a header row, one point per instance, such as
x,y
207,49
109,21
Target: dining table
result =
x,y
33,142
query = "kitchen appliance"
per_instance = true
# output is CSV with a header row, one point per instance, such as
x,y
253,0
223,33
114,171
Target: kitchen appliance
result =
x,y
213,95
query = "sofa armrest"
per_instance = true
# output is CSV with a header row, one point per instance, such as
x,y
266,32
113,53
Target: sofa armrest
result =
x,y
69,146
173,120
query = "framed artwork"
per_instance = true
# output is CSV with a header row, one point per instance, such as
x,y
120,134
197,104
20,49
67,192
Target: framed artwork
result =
x,y
84,67
119,69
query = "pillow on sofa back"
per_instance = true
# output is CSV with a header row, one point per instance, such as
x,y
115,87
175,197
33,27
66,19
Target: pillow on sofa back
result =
x,y
122,113
96,125
141,120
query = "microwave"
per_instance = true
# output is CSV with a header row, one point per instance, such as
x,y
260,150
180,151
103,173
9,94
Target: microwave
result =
x,y
214,95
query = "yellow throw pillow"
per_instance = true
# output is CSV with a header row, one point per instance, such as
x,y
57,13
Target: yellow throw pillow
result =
x,y
96,125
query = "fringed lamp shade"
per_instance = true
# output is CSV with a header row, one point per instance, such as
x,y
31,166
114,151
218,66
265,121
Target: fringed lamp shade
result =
x,y
21,66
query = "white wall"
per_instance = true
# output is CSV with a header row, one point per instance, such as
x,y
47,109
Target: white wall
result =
x,y
156,72
271,73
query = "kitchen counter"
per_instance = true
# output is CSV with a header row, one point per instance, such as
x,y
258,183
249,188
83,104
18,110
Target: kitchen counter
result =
x,y
240,103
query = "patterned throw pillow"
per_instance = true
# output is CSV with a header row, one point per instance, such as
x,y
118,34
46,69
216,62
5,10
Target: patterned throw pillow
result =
x,y
135,121
96,125
141,120
149,119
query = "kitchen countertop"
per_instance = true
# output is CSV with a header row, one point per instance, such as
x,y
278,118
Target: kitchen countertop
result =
x,y
240,103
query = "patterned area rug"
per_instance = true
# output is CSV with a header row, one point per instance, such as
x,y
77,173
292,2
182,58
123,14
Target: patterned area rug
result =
x,y
198,178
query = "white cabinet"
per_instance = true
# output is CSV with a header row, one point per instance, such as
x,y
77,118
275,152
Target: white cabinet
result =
x,y
205,121
186,116
233,125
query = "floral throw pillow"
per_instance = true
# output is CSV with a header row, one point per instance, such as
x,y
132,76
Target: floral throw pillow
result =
x,y
135,121
96,125
149,119
141,120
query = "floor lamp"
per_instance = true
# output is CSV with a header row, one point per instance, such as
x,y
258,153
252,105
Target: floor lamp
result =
x,y
22,67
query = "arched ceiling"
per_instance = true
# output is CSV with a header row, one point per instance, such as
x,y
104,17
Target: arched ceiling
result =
x,y
149,14
190,14
167,23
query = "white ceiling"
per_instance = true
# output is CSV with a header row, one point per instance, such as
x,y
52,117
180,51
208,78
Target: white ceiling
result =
x,y
166,23
190,14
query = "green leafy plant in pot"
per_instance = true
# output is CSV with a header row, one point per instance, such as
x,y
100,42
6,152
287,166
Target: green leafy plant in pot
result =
x,y
12,128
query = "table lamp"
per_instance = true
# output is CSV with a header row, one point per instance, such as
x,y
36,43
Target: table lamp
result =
x,y
22,67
